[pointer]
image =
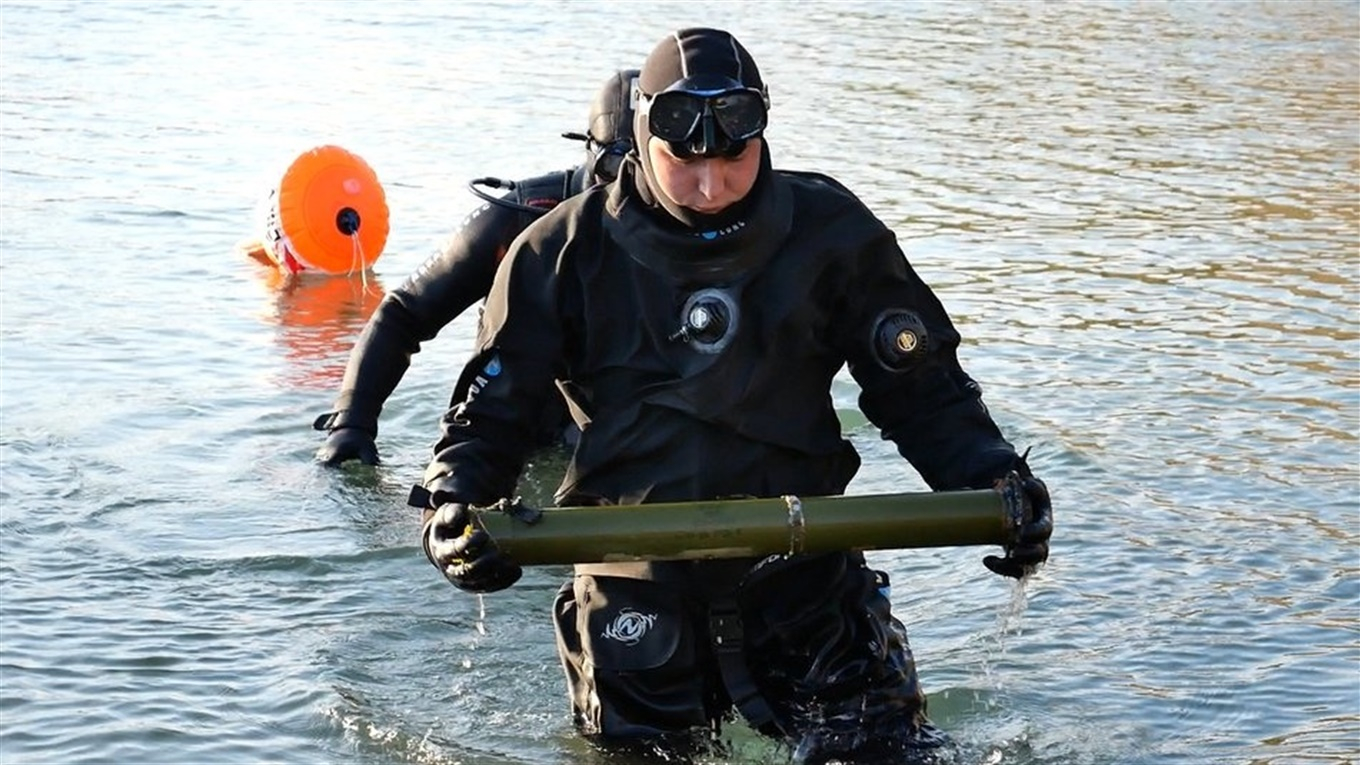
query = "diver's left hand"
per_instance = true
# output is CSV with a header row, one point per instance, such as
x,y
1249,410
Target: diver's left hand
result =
x,y
344,444
1031,546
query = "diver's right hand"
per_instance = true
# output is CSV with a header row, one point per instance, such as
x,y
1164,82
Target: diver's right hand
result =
x,y
344,444
464,553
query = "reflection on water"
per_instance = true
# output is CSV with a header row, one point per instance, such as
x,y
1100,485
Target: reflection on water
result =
x,y
317,319
1144,218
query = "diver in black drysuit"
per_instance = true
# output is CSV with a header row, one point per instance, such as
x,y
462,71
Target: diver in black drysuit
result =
x,y
697,353
460,275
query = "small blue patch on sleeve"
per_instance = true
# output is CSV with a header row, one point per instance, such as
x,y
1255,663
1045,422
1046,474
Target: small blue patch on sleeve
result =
x,y
709,235
493,367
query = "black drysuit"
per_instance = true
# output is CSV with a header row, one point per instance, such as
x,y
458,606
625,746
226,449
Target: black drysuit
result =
x,y
444,286
699,366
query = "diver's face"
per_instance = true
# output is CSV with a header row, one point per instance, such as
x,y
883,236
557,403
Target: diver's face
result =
x,y
706,185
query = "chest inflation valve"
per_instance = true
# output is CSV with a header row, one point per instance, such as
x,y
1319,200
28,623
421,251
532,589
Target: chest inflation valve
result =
x,y
708,321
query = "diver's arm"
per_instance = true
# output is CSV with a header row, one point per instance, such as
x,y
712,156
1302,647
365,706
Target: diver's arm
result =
x,y
432,297
486,437
913,387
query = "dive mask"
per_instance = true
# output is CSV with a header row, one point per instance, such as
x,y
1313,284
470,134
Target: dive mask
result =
x,y
707,123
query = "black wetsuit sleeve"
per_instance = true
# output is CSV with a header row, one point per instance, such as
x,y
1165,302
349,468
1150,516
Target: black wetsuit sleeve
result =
x,y
444,286
487,435
931,409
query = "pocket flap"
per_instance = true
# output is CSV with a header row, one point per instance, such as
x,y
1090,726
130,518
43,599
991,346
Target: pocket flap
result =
x,y
629,624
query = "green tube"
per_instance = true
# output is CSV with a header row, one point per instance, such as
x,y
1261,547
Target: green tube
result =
x,y
756,527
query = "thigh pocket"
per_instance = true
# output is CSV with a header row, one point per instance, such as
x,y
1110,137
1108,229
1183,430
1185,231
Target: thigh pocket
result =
x,y
639,642
629,625
787,596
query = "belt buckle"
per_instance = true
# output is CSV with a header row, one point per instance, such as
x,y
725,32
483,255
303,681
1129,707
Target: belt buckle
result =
x,y
724,628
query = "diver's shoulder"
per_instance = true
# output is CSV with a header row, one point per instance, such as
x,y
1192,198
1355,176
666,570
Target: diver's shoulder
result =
x,y
549,189
574,207
566,221
814,182
818,194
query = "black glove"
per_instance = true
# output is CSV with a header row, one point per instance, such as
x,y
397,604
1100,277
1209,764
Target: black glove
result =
x,y
464,554
351,437
345,444
1031,546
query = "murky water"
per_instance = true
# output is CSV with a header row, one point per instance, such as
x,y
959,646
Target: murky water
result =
x,y
1145,219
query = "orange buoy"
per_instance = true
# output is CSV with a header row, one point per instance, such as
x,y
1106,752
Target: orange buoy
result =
x,y
328,214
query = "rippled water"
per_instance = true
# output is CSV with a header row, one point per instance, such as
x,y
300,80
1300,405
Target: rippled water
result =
x,y
1145,219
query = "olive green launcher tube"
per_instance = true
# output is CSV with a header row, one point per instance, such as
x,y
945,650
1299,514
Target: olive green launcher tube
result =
x,y
753,527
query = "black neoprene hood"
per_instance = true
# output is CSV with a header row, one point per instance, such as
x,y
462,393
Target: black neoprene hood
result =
x,y
699,59
611,113
703,59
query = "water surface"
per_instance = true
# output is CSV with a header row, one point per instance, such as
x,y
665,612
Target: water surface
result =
x,y
1145,219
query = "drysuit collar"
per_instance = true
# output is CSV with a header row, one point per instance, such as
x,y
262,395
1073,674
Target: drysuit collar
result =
x,y
706,249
